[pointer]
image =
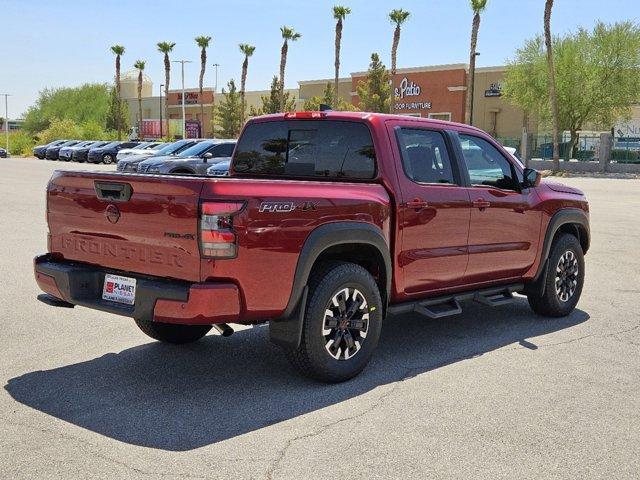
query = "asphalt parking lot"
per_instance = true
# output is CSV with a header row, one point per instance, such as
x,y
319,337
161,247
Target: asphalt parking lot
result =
x,y
492,393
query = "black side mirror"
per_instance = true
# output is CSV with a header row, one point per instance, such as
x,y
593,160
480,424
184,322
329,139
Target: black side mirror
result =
x,y
532,178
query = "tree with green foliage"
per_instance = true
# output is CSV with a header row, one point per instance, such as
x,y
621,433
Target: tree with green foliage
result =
x,y
139,65
288,34
478,7
247,50
375,90
203,43
553,99
166,48
327,98
229,112
597,77
339,13
397,17
88,102
271,102
118,51
116,109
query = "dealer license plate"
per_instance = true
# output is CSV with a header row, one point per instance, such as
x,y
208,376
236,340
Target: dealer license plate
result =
x,y
119,289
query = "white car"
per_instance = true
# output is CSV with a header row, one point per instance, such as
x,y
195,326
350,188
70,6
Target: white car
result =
x,y
144,148
514,153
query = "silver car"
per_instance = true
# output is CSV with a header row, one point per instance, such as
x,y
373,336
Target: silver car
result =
x,y
220,169
194,160
142,148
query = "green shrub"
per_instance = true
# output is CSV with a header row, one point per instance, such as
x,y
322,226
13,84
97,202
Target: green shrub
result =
x,y
60,129
625,156
20,143
584,155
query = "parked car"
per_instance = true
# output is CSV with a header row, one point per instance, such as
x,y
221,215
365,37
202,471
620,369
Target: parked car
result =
x,y
141,147
220,169
40,151
107,153
52,152
66,153
193,160
3,153
130,164
328,222
79,154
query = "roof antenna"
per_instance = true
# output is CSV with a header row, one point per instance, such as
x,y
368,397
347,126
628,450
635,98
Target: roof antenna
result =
x,y
325,108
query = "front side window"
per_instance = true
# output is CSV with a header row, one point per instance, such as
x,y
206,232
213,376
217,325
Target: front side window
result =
x,y
307,148
424,156
486,165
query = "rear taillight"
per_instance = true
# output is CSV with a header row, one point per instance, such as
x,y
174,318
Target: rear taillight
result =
x,y
217,236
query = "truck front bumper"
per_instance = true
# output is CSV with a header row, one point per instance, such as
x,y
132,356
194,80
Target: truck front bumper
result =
x,y
162,300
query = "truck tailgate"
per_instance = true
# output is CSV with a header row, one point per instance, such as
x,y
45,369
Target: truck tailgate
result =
x,y
139,224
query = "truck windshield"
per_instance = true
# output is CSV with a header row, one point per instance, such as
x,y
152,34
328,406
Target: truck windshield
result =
x,y
306,148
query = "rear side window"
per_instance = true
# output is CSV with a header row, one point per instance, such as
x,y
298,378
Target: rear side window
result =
x,y
325,149
224,150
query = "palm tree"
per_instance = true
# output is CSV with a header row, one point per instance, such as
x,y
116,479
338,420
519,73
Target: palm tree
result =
x,y
139,65
166,47
548,6
397,16
247,50
203,43
339,13
478,7
287,34
118,51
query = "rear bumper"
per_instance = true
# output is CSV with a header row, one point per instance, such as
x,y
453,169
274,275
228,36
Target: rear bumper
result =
x,y
158,299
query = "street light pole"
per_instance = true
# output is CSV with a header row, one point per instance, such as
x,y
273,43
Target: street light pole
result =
x,y
161,110
184,122
473,88
215,92
6,118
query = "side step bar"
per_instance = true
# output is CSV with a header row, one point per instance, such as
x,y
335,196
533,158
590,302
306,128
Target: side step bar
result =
x,y
447,305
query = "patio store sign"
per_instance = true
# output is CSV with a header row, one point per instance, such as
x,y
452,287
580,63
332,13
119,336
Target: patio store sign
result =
x,y
408,89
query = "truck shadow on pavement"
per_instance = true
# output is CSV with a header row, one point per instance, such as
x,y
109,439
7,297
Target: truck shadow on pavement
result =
x,y
182,398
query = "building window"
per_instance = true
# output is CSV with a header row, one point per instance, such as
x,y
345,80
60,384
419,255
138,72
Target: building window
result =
x,y
441,116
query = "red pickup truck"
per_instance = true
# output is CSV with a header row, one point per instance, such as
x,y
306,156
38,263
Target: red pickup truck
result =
x,y
328,222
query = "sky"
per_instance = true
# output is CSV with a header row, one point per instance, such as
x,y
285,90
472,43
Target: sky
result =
x,y
45,44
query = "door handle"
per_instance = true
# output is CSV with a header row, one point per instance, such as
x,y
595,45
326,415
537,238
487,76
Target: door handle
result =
x,y
481,204
417,203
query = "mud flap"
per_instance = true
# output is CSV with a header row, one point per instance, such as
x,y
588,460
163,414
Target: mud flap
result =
x,y
537,286
287,332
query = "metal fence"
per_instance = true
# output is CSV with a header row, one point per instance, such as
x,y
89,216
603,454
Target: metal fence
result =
x,y
625,149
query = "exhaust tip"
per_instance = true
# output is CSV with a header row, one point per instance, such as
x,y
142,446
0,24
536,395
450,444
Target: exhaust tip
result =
x,y
223,329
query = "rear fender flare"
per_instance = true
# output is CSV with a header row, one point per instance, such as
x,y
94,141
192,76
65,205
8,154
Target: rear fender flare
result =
x,y
286,331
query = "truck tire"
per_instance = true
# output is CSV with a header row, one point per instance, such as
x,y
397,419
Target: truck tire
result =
x,y
171,333
342,323
564,279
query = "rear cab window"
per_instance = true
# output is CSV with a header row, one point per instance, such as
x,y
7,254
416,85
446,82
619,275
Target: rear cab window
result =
x,y
320,149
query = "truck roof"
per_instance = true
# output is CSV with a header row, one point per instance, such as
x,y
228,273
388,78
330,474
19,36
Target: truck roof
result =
x,y
371,117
